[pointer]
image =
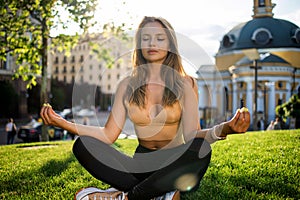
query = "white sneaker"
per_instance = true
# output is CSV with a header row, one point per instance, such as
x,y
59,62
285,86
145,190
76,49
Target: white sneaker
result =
x,y
92,193
174,195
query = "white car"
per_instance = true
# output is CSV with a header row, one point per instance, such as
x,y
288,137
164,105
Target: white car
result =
x,y
85,113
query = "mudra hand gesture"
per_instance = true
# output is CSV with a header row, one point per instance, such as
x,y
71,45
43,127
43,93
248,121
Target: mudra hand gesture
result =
x,y
239,123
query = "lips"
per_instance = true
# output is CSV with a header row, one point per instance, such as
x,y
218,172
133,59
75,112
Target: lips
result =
x,y
152,51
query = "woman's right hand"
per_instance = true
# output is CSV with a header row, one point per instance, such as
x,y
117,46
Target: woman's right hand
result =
x,y
50,117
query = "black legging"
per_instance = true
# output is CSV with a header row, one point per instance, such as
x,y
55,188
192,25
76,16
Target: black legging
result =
x,y
148,173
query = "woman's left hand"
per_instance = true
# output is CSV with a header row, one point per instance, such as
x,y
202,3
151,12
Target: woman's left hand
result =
x,y
239,123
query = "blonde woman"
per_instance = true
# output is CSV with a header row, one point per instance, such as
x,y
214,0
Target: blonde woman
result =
x,y
161,100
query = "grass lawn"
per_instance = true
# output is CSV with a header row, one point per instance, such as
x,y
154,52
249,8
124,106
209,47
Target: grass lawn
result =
x,y
256,165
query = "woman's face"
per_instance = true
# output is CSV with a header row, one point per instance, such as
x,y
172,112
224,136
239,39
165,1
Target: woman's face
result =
x,y
154,42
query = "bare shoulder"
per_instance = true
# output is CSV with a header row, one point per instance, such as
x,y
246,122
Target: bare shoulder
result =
x,y
189,82
122,85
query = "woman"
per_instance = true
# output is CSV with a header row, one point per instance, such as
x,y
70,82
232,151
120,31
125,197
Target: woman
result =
x,y
162,102
11,130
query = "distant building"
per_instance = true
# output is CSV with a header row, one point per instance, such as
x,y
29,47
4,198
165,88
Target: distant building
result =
x,y
85,66
264,50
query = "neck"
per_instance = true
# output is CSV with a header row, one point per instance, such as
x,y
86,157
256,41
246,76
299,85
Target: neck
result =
x,y
154,70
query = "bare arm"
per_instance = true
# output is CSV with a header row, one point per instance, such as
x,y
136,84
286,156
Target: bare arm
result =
x,y
108,134
190,114
239,123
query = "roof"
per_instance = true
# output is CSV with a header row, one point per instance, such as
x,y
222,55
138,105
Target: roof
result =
x,y
267,32
267,58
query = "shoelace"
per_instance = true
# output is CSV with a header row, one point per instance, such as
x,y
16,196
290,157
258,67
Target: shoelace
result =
x,y
119,197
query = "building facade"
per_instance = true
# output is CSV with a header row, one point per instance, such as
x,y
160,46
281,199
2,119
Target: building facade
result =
x,y
257,66
90,66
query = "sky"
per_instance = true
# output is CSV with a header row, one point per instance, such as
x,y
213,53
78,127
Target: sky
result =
x,y
203,21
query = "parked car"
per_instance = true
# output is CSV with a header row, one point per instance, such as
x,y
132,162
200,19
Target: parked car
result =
x,y
85,113
32,133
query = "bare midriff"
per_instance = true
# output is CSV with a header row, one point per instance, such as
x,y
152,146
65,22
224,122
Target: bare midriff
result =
x,y
155,126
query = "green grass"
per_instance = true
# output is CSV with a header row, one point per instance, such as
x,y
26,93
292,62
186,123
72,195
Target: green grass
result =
x,y
256,165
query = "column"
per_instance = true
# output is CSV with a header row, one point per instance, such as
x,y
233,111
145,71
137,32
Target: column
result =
x,y
202,96
249,96
288,88
214,94
234,97
272,103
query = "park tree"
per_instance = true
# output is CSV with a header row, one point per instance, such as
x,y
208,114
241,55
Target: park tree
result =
x,y
25,28
25,34
290,109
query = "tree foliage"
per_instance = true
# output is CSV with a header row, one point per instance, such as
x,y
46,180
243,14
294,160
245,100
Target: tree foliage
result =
x,y
25,35
25,27
291,108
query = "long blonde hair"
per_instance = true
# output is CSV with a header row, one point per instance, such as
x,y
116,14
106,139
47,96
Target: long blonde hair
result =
x,y
172,72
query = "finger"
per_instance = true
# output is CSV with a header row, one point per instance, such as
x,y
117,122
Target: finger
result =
x,y
236,117
245,121
42,113
247,117
46,118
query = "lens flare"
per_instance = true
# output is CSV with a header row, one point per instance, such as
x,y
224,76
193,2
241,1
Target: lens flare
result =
x,y
186,182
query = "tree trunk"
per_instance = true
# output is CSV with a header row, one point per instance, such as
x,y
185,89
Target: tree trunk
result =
x,y
44,92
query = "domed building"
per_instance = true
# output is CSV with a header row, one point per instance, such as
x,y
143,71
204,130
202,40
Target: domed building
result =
x,y
257,66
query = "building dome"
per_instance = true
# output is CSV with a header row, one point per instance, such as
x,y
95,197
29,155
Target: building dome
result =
x,y
264,34
261,33
257,66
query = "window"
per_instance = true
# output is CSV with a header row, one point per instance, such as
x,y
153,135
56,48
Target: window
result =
x,y
73,59
241,84
228,40
56,60
261,3
65,59
81,58
261,36
108,76
226,98
296,35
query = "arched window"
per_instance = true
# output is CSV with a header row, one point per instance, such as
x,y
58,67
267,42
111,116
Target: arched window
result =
x,y
261,3
226,100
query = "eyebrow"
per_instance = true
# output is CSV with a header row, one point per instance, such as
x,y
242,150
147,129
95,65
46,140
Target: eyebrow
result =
x,y
158,34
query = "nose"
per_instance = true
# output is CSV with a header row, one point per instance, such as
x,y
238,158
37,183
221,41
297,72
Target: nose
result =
x,y
152,42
